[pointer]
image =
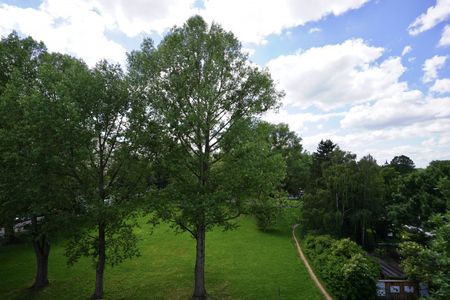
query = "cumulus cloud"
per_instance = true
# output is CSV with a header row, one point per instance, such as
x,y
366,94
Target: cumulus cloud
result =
x,y
65,26
445,38
253,20
80,27
386,143
335,75
297,121
433,16
363,138
350,74
406,50
403,109
136,16
385,116
431,67
441,86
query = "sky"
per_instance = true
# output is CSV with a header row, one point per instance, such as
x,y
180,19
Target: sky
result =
x,y
371,75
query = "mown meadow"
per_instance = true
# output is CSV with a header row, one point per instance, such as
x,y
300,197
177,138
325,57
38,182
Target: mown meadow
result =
x,y
245,263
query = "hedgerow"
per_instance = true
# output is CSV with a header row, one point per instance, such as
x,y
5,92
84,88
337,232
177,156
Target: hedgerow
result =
x,y
343,266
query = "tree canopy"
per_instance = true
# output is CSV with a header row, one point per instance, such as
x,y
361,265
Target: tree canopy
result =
x,y
402,164
38,121
203,89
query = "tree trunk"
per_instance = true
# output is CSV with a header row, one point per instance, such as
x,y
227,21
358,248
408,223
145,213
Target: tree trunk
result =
x,y
342,220
199,288
363,233
98,293
10,234
41,249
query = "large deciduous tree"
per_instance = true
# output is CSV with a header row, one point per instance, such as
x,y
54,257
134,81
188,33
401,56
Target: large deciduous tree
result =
x,y
204,90
19,61
403,164
111,177
421,194
298,164
431,262
369,207
348,195
37,130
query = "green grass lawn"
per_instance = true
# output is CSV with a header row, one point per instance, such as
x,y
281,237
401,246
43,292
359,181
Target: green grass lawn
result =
x,y
240,264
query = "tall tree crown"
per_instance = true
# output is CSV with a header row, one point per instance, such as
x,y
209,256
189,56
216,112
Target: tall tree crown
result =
x,y
403,164
202,82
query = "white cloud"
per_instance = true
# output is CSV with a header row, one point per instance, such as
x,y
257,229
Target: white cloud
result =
x,y
79,27
314,29
384,144
403,109
297,121
352,73
441,86
136,16
65,26
445,38
253,20
431,66
433,16
406,50
335,75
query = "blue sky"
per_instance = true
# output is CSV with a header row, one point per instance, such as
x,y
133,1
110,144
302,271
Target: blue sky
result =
x,y
371,75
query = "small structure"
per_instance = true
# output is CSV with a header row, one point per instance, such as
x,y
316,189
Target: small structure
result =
x,y
394,284
397,289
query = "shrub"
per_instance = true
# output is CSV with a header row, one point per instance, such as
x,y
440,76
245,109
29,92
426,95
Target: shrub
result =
x,y
344,267
265,213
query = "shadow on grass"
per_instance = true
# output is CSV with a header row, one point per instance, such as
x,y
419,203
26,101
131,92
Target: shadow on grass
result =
x,y
24,294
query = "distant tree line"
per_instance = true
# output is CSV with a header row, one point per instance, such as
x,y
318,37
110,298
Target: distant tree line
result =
x,y
371,204
342,197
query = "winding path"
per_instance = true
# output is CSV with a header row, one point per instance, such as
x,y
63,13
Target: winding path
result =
x,y
308,267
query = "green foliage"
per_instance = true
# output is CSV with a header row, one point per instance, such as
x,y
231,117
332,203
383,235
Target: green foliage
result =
x,y
39,133
265,215
415,256
403,164
85,149
344,267
318,213
298,163
110,177
122,245
19,61
420,195
431,262
370,206
204,91
265,212
348,195
321,158
38,124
